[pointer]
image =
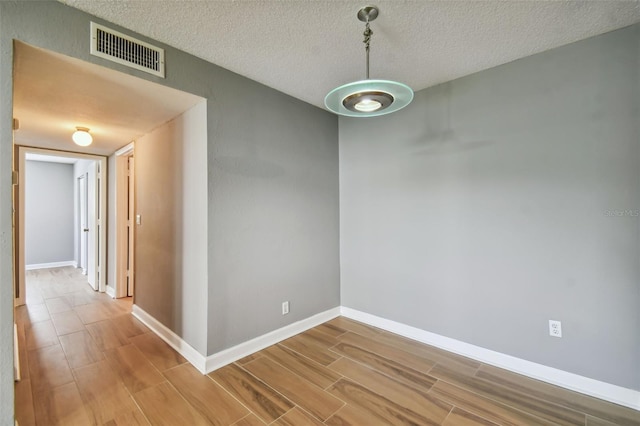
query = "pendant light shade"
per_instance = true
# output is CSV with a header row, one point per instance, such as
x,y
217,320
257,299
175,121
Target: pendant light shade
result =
x,y
82,136
368,98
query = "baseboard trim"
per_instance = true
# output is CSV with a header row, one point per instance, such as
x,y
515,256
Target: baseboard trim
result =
x,y
172,339
50,265
111,292
17,376
227,356
606,391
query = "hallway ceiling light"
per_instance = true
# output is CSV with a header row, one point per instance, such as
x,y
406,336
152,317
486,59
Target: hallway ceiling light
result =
x,y
368,98
82,136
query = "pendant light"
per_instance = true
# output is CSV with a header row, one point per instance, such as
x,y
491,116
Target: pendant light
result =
x,y
368,98
82,136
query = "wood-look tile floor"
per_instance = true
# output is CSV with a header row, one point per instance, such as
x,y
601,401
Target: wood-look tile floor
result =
x,y
87,361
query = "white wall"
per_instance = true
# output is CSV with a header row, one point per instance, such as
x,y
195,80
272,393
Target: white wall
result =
x,y
49,213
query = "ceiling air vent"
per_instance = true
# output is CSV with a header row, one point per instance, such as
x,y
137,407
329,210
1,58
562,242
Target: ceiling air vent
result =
x,y
117,47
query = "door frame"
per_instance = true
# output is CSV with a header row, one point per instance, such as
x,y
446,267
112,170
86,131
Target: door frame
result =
x,y
83,218
125,209
101,222
93,223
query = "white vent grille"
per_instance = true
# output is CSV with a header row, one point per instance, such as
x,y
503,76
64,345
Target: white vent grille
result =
x,y
117,47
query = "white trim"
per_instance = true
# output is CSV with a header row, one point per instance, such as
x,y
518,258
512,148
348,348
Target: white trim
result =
x,y
608,392
616,394
237,352
111,292
50,265
227,356
172,339
94,50
127,149
122,211
16,355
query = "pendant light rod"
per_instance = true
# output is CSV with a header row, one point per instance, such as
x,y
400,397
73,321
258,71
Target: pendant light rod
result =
x,y
366,15
367,40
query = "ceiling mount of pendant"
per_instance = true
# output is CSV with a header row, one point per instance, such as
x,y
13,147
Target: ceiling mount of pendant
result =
x,y
368,14
368,98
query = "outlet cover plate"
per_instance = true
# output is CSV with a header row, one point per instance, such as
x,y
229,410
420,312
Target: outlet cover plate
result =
x,y
555,328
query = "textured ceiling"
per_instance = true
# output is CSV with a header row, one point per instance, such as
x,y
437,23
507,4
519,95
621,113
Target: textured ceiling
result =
x,y
306,48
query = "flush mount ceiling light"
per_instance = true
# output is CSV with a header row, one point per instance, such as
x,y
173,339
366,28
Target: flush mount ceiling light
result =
x,y
82,136
368,98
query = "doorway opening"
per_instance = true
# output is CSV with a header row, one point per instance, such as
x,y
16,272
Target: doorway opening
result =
x,y
89,251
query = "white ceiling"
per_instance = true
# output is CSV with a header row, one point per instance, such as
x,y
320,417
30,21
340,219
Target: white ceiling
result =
x,y
54,93
307,47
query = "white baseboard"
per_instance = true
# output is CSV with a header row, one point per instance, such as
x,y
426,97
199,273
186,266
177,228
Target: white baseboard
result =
x,y
608,392
183,348
111,292
50,265
616,394
16,357
227,356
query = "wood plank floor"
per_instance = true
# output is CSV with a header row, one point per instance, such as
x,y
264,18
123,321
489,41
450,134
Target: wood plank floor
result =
x,y
87,361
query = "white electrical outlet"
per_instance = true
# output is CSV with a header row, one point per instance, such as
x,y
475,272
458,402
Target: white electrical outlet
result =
x,y
555,328
285,308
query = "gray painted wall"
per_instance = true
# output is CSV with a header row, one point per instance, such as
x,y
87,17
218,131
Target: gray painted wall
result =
x,y
49,211
502,200
273,209
287,245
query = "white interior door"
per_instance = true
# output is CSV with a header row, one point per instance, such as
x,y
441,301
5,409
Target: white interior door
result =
x,y
92,216
83,206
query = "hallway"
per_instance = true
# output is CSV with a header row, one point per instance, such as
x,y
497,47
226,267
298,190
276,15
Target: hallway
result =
x,y
72,341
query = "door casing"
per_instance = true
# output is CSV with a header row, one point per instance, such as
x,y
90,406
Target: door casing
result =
x,y
101,216
125,222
